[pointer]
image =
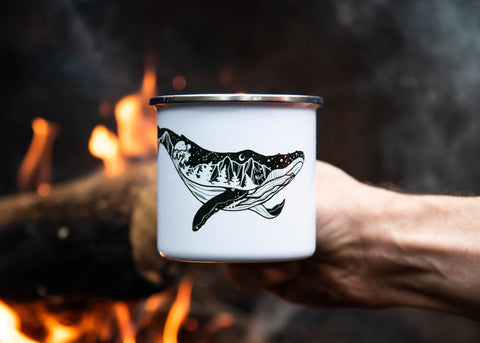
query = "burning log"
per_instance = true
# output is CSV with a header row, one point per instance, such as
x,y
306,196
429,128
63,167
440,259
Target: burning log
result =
x,y
93,236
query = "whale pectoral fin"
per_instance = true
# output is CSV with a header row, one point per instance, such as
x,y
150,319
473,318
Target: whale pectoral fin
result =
x,y
268,213
215,204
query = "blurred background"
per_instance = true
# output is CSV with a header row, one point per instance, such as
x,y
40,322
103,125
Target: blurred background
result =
x,y
400,79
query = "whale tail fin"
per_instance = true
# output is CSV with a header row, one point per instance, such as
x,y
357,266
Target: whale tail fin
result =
x,y
215,204
268,213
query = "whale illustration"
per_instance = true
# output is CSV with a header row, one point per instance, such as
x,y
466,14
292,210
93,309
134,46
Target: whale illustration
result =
x,y
230,181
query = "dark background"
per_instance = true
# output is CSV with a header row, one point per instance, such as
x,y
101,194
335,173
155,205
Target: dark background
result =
x,y
400,79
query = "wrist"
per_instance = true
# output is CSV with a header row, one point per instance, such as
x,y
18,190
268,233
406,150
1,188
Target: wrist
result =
x,y
429,252
405,238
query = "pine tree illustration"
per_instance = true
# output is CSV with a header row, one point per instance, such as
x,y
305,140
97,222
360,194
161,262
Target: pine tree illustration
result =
x,y
222,177
235,180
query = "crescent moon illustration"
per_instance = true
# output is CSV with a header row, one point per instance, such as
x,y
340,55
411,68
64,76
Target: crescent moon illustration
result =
x,y
241,158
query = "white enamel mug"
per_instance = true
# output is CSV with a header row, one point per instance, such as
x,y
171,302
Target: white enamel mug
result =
x,y
236,177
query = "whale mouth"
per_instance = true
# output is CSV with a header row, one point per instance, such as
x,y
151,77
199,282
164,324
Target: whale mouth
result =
x,y
292,169
275,182
295,166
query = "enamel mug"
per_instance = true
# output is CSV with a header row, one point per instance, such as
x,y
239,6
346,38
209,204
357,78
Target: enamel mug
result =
x,y
236,177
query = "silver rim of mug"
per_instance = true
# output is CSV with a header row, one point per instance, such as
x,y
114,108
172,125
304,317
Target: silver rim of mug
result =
x,y
236,98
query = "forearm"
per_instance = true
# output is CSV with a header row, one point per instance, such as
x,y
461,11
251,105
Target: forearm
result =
x,y
377,248
434,253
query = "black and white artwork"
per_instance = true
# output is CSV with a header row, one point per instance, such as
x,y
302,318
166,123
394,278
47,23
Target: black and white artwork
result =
x,y
230,181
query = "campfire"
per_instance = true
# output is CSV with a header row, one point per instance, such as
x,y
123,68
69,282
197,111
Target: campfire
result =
x,y
94,274
107,322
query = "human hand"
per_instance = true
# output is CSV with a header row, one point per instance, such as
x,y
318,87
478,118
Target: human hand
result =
x,y
378,248
341,272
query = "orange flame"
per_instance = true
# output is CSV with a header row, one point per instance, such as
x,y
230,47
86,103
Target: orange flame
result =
x,y
178,312
10,329
135,123
124,322
136,127
97,324
104,144
10,325
152,304
132,127
35,170
149,83
57,332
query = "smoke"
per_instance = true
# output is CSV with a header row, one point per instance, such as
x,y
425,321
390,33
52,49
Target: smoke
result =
x,y
428,68
97,51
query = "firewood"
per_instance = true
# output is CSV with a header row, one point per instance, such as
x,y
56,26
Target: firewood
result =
x,y
94,235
